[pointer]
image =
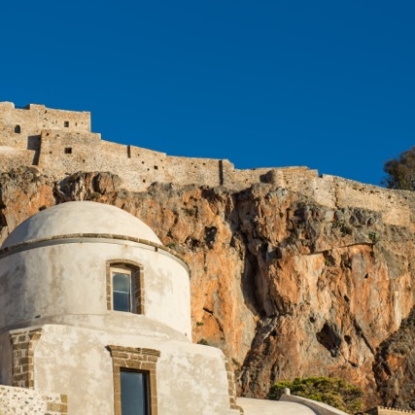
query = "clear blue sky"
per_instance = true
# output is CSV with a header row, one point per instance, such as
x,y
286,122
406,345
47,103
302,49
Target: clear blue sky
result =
x,y
326,84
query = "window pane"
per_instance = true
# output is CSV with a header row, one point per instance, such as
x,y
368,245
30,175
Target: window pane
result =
x,y
121,302
133,393
121,291
121,282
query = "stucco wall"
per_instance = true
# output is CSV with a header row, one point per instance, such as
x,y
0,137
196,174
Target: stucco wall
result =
x,y
191,379
70,279
75,362
319,408
267,407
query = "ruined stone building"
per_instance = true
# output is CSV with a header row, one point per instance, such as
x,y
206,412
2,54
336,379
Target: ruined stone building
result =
x,y
60,142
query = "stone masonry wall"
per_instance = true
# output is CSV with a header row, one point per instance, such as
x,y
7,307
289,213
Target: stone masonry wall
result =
x,y
56,404
21,398
68,153
137,359
31,120
14,157
73,152
44,141
22,401
232,388
24,342
60,142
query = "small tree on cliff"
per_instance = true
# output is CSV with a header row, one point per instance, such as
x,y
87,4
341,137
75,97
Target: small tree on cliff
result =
x,y
332,391
401,171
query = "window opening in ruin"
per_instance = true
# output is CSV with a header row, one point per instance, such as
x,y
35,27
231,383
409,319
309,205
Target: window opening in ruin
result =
x,y
17,129
121,290
66,124
68,150
134,392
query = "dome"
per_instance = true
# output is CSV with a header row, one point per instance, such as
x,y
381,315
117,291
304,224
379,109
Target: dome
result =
x,y
80,218
62,264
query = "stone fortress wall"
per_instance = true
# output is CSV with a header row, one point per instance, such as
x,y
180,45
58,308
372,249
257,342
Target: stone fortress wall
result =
x,y
61,143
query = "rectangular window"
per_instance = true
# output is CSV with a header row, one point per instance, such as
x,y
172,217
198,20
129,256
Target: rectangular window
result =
x,y
125,291
134,393
121,290
135,385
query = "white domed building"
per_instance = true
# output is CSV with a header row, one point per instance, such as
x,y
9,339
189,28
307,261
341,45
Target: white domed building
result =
x,y
95,319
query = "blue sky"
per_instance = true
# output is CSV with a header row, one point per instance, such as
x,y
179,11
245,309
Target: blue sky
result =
x,y
326,84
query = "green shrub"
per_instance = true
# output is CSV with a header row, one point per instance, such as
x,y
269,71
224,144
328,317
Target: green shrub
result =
x,y
374,237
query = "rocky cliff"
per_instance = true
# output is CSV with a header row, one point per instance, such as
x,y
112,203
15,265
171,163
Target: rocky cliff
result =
x,y
313,279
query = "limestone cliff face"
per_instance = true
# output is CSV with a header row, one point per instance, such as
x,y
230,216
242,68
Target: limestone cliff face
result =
x,y
286,285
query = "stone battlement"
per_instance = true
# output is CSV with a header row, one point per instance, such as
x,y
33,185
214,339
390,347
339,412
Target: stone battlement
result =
x,y
33,118
60,143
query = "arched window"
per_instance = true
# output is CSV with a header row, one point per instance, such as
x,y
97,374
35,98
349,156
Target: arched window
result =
x,y
125,290
17,129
